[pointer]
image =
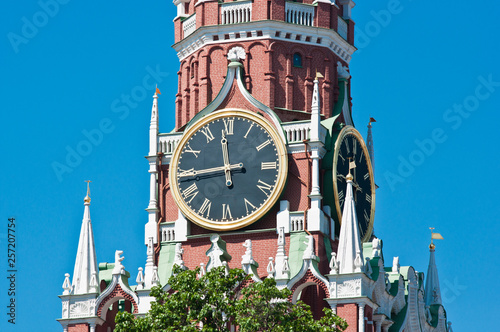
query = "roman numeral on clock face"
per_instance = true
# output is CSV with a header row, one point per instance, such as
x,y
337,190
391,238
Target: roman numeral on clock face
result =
x,y
367,218
208,134
226,212
367,175
229,126
205,207
266,188
190,149
190,192
347,146
248,131
268,165
368,198
263,145
247,203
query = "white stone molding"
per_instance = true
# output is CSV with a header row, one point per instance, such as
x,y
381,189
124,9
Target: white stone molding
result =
x,y
189,25
168,142
216,254
283,217
65,309
299,13
236,12
368,267
296,221
167,232
237,53
181,7
116,280
309,263
376,249
148,272
276,30
361,317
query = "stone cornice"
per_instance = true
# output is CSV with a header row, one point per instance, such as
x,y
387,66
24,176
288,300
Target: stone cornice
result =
x,y
317,36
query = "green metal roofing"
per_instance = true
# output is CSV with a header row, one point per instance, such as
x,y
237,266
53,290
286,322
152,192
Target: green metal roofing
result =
x,y
297,247
166,261
106,273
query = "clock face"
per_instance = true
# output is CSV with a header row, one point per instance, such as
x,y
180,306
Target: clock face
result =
x,y
228,170
351,147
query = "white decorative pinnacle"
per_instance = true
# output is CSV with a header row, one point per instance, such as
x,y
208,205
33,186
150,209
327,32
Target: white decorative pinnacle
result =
x,y
154,278
119,268
140,279
86,263
66,284
236,54
270,268
202,270
281,266
350,255
334,266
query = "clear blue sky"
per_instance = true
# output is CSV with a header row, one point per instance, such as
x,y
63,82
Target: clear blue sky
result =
x,y
435,165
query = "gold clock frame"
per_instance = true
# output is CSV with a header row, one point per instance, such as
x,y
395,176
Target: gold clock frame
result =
x,y
271,200
344,132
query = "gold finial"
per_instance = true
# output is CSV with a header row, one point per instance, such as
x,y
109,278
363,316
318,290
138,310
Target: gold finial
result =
x,y
434,236
87,198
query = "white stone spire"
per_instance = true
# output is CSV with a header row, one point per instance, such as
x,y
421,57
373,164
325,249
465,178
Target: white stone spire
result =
x,y
349,249
85,273
432,289
315,216
153,126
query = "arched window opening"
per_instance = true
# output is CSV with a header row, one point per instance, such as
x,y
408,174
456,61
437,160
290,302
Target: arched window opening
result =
x,y
297,60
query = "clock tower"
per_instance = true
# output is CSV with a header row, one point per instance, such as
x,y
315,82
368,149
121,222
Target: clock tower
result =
x,y
265,171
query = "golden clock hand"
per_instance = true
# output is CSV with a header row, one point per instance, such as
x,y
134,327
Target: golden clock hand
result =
x,y
192,172
225,156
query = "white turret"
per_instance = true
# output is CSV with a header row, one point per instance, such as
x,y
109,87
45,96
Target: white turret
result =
x,y
350,254
85,273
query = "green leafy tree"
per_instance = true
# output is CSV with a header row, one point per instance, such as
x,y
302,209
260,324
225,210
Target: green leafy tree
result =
x,y
210,302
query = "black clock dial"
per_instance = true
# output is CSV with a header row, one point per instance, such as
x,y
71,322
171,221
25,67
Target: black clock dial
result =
x,y
228,170
351,148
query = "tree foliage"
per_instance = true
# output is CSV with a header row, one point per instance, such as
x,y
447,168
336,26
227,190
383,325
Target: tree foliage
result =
x,y
209,303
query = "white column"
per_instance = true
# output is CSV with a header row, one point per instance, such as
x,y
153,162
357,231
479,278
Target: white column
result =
x,y
361,318
92,327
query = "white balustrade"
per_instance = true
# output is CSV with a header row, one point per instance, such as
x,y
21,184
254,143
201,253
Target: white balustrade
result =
x,y
296,221
342,28
299,13
167,143
236,12
167,232
298,131
189,25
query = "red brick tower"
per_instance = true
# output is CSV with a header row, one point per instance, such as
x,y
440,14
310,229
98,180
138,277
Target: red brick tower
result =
x,y
281,47
265,164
